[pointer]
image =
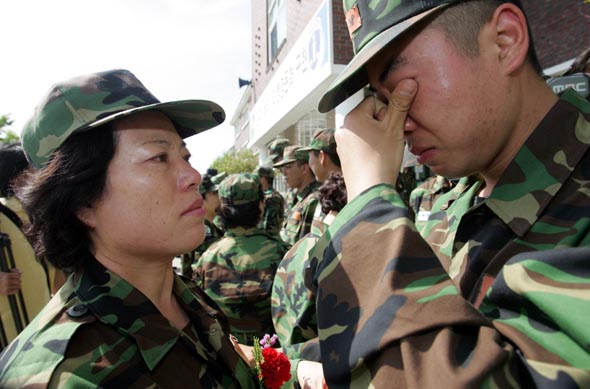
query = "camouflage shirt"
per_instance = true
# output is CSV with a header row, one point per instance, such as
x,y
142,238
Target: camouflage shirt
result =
x,y
391,313
274,212
237,272
424,195
99,331
189,260
299,221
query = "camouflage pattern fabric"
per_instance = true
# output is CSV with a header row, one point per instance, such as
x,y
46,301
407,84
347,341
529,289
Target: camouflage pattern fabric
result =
x,y
99,331
274,212
88,101
276,148
189,260
293,295
291,200
422,198
391,312
299,221
237,272
406,183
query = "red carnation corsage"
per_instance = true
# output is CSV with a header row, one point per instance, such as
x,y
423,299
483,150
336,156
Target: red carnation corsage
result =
x,y
272,367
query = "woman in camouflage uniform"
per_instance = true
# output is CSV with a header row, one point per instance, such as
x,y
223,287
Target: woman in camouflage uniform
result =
x,y
113,199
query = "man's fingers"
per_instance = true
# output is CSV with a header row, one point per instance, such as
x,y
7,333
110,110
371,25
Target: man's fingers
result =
x,y
400,102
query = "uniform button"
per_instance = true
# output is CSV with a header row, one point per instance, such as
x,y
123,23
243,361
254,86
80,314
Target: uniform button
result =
x,y
77,310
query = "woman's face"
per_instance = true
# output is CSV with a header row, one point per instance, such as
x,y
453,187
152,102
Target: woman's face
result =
x,y
151,207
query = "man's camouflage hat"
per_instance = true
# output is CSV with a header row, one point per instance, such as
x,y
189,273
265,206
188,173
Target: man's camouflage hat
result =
x,y
262,171
239,189
276,148
207,185
323,140
292,154
373,24
86,102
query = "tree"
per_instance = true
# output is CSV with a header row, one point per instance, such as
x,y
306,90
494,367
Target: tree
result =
x,y
231,162
6,134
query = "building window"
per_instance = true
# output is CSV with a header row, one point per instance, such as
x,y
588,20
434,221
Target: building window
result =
x,y
277,26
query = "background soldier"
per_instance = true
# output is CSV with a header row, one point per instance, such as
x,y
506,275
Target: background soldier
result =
x,y
299,176
274,204
238,270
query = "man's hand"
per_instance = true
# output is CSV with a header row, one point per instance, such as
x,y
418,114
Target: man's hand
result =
x,y
371,142
10,282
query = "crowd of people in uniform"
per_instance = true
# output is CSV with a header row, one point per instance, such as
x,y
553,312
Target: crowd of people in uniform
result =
x,y
475,277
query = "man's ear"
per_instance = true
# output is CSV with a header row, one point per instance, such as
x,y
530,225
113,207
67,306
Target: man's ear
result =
x,y
511,37
87,216
322,157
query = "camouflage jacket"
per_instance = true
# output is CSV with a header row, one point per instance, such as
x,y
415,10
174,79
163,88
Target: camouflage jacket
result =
x,y
299,221
237,272
424,195
99,331
290,201
391,313
274,212
189,260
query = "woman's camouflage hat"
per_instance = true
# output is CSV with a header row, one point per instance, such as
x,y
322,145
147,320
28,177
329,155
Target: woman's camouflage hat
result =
x,y
88,101
373,24
242,188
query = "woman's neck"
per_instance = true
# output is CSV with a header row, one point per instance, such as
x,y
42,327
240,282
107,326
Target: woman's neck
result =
x,y
155,279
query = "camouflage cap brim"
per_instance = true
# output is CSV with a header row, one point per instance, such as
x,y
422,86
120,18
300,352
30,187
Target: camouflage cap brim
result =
x,y
354,76
91,100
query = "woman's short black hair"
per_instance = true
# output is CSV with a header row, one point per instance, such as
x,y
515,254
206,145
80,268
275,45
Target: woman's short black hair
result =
x,y
74,178
243,215
333,193
12,162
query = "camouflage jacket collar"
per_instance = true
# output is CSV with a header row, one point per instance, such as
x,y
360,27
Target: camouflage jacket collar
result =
x,y
115,302
242,231
543,164
215,230
311,187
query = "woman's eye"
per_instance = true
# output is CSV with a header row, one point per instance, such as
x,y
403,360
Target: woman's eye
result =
x,y
161,158
187,157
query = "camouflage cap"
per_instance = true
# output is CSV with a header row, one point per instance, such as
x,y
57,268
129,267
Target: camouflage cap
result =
x,y
262,171
323,140
373,24
277,147
218,178
207,185
239,189
292,154
88,101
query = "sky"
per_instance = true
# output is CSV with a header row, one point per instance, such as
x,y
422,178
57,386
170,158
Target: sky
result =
x,y
179,49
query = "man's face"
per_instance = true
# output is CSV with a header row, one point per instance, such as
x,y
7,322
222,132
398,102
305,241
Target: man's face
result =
x,y
459,122
316,166
293,173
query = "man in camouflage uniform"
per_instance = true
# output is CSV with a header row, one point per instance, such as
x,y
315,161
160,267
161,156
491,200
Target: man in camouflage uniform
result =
x,y
293,293
481,304
274,204
213,231
276,149
299,176
100,330
237,271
